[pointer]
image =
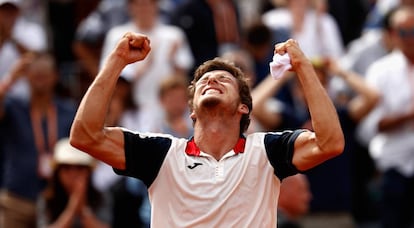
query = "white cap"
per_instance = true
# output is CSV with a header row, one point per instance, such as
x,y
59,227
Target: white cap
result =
x,y
13,2
67,154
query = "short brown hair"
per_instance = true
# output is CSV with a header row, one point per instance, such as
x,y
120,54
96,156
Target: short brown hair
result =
x,y
244,89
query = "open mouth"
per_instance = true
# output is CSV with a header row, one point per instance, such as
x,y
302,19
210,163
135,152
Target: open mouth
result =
x,y
212,91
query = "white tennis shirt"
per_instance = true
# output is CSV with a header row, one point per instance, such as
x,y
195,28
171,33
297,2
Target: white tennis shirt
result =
x,y
190,188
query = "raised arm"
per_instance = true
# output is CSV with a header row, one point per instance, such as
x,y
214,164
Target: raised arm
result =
x,y
366,97
88,132
327,140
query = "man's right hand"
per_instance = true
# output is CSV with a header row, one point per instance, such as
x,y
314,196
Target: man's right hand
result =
x,y
133,47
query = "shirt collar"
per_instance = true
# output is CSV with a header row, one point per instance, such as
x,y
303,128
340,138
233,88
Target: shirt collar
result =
x,y
193,150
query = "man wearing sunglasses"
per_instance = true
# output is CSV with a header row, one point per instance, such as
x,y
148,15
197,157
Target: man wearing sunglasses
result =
x,y
393,146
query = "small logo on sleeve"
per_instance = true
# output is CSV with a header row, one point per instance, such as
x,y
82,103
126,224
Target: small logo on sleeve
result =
x,y
194,165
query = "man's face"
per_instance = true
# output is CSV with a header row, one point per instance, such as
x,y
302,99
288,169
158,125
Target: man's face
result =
x,y
216,88
404,32
175,101
41,76
144,12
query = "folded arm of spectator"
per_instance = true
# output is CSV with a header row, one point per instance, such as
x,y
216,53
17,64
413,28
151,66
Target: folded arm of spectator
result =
x,y
366,97
261,94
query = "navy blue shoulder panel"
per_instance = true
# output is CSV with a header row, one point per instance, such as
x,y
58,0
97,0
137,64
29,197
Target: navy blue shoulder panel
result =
x,y
144,156
279,150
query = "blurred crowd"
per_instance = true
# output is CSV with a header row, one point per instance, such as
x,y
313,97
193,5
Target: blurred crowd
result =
x,y
51,50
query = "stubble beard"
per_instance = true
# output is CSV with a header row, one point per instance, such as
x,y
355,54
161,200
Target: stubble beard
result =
x,y
210,102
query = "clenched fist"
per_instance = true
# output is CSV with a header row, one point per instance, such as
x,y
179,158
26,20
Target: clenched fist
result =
x,y
133,47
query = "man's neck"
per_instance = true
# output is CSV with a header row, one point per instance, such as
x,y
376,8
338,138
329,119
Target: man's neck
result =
x,y
216,136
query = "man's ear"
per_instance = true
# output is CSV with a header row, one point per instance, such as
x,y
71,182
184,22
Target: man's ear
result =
x,y
192,115
243,109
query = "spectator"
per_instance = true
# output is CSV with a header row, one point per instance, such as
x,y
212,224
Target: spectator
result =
x,y
63,18
257,41
317,32
170,54
14,33
31,129
173,95
373,44
70,200
392,147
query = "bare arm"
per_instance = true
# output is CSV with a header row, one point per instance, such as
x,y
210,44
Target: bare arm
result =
x,y
367,97
260,94
390,123
88,132
327,140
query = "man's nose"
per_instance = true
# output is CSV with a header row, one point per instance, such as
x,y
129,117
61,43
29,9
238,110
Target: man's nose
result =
x,y
212,79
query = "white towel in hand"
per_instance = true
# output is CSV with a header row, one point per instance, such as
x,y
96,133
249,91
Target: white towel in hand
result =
x,y
279,65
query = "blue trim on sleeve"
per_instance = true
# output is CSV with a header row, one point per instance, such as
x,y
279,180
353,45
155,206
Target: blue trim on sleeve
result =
x,y
144,156
279,150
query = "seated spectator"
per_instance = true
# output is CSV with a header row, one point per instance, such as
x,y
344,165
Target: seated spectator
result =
x,y
70,200
29,131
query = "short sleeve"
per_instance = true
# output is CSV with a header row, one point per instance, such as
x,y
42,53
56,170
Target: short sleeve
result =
x,y
144,155
279,149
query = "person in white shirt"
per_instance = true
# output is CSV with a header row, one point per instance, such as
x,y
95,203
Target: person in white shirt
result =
x,y
392,148
317,32
17,36
220,177
170,53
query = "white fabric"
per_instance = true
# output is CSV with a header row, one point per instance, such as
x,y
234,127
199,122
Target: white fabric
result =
x,y
103,177
223,186
163,39
383,149
279,65
392,76
320,35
